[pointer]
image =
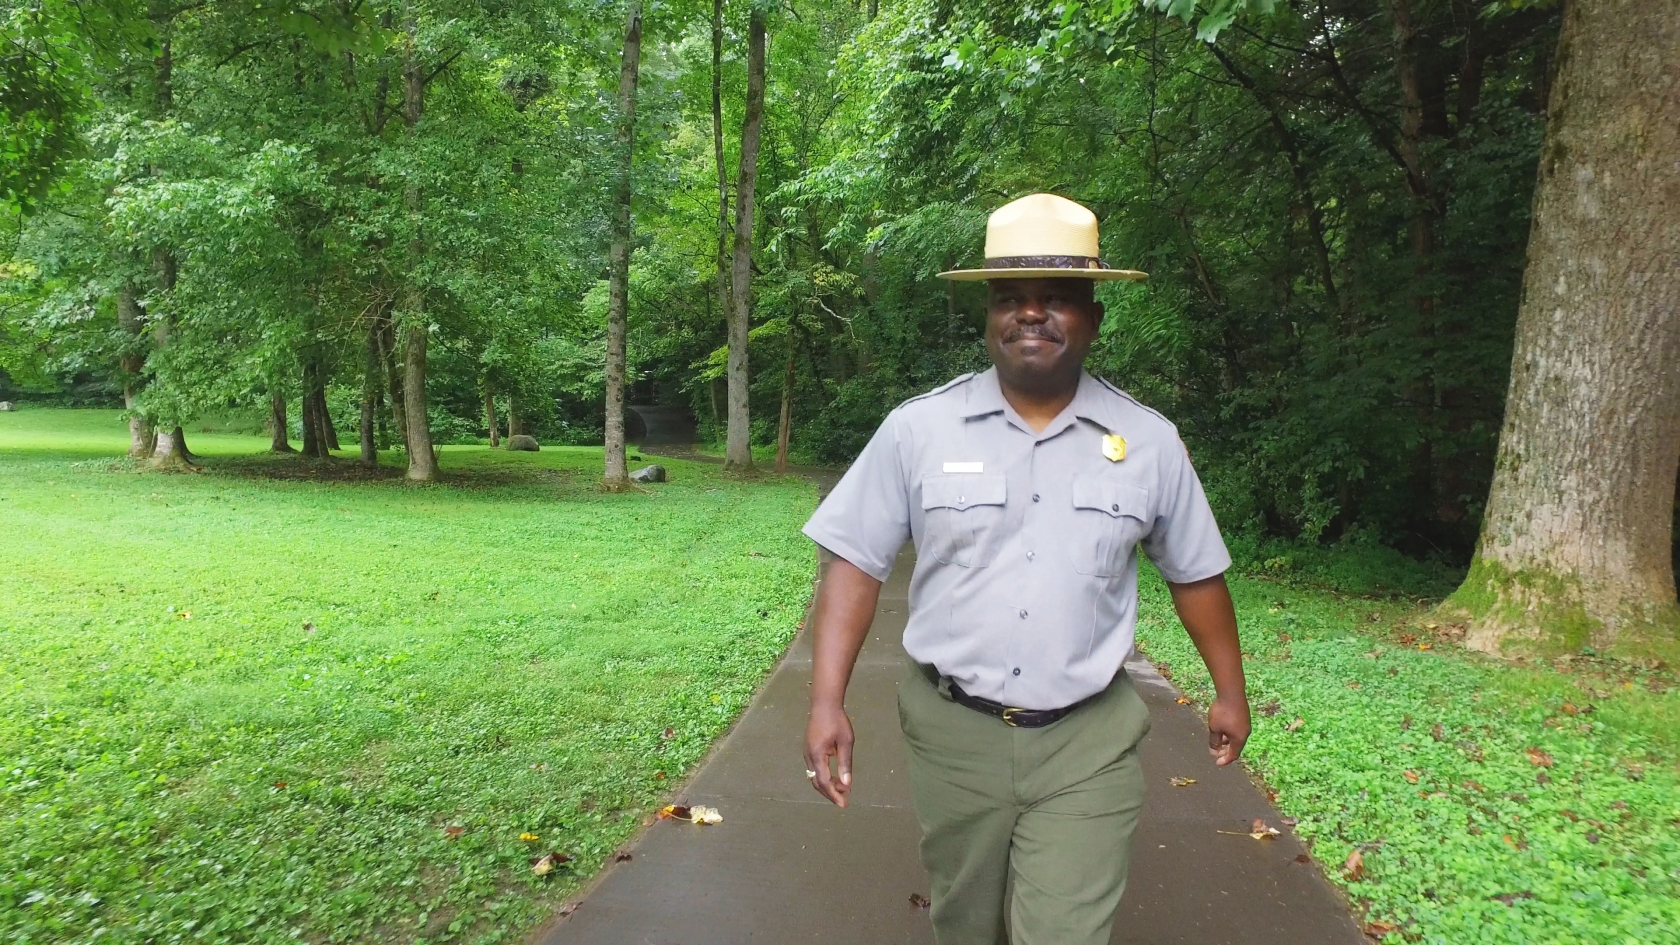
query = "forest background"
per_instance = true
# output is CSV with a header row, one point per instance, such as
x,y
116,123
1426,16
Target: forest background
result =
x,y
253,204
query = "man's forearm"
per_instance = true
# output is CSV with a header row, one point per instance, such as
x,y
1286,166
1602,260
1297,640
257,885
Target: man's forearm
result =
x,y
1205,609
844,609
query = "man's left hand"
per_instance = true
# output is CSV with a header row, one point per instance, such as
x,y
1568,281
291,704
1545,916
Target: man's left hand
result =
x,y
1228,727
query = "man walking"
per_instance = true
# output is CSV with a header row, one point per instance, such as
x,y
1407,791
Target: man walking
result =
x,y
1027,490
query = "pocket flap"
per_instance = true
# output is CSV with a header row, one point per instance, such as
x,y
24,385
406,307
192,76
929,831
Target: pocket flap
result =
x,y
962,491
1111,496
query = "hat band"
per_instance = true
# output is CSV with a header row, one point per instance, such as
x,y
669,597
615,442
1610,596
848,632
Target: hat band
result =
x,y
1044,262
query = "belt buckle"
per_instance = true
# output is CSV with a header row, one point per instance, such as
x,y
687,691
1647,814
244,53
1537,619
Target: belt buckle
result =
x,y
1008,716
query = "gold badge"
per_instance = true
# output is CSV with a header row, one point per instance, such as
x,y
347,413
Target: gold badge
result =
x,y
1114,447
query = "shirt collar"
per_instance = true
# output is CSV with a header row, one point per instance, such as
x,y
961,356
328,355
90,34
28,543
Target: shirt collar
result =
x,y
1089,401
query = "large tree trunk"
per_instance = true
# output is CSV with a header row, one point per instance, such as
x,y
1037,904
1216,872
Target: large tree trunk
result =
x,y
142,439
737,452
279,437
616,474
422,462
515,425
314,444
387,351
490,414
323,415
172,452
1575,548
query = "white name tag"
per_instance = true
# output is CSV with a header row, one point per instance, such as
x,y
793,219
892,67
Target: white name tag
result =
x,y
965,467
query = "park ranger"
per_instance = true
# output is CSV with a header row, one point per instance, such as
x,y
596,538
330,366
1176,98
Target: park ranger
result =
x,y
1027,490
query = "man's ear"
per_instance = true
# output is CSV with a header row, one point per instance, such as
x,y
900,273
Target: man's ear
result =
x,y
1098,310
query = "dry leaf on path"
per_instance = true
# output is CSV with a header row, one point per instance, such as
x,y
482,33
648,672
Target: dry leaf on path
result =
x,y
705,815
453,832
1259,830
920,901
1181,782
1540,758
622,857
1378,929
1353,870
1183,701
673,812
568,909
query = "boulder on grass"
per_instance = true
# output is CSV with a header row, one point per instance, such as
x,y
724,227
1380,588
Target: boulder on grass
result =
x,y
519,442
654,473
6,406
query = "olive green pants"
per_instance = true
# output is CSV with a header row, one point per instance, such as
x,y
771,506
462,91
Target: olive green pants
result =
x,y
1025,831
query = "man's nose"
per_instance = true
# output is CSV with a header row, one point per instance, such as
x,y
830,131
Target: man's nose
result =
x,y
1033,311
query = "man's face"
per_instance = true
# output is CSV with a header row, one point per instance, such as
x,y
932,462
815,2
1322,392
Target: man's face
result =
x,y
1038,331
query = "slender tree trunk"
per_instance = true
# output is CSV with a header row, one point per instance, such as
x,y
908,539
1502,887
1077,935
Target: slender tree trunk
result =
x,y
515,426
490,414
279,432
723,234
616,474
422,462
142,439
329,434
1575,547
372,374
784,427
738,448
171,450
314,446
387,352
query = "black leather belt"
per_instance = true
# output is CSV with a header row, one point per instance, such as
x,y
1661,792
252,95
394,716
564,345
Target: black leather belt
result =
x,y
1011,715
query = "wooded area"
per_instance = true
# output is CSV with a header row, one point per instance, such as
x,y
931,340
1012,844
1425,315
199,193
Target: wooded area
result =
x,y
416,220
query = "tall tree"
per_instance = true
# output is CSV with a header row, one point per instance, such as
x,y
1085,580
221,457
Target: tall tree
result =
x,y
723,235
1576,545
738,449
618,274
422,461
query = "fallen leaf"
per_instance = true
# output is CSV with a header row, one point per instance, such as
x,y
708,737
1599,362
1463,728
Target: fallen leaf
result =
x,y
1181,782
1406,639
1437,732
659,775
1270,709
1353,869
1302,858
1353,684
1474,786
1411,776
1511,898
1379,929
308,627
1540,758
1293,726
548,862
453,832
1284,638
1569,708
1183,701
1259,830
705,815
920,901
1573,817
1619,805
1289,821
668,734
674,812
279,785
1592,837
1425,646
568,909
622,857
528,837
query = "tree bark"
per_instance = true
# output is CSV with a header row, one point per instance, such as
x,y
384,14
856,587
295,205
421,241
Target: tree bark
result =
x,y
490,414
723,234
616,473
738,447
387,352
323,415
279,432
784,426
515,426
422,462
172,452
142,439
314,445
372,374
1575,548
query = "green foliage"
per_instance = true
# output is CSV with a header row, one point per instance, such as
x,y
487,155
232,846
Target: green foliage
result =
x,y
243,706
1545,798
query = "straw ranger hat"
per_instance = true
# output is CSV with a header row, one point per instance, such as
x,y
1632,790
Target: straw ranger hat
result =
x,y
1042,236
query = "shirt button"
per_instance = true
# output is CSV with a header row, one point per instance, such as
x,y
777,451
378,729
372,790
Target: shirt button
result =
x,y
1112,508
1035,497
1023,615
1017,670
959,500
1030,556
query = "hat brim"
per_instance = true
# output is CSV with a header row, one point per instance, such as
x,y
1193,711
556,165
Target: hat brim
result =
x,y
1096,275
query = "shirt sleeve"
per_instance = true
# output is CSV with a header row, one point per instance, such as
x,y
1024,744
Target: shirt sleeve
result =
x,y
866,519
1184,543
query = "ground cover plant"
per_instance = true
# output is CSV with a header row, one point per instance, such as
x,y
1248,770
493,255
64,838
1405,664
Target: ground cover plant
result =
x,y
1488,802
246,706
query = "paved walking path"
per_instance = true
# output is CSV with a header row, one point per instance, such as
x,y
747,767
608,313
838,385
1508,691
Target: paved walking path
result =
x,y
787,867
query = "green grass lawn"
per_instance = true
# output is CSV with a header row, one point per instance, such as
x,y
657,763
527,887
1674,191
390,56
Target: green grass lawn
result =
x,y
1492,803
248,704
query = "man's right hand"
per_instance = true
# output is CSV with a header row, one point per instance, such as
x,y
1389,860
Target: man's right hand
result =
x,y
829,734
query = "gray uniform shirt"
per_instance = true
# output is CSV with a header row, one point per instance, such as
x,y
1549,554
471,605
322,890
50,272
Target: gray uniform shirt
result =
x,y
1025,588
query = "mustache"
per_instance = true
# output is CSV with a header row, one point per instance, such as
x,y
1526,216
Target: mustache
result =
x,y
1044,332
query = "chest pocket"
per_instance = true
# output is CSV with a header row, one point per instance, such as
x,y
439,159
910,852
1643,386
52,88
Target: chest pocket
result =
x,y
1110,518
962,514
